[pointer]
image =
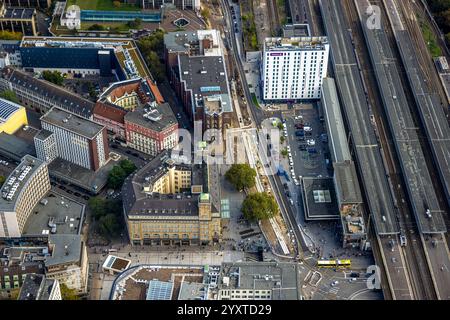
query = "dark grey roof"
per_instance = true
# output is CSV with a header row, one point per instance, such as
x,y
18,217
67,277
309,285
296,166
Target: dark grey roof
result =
x,y
213,75
18,13
279,277
67,249
58,95
163,112
15,148
43,134
36,287
335,124
72,122
136,202
324,207
347,184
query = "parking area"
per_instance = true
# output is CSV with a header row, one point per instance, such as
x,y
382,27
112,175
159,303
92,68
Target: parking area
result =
x,y
307,142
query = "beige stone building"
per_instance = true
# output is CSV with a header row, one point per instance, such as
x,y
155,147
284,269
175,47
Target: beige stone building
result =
x,y
167,203
20,193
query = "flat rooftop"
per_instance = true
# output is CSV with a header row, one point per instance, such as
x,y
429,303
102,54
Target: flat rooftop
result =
x,y
124,48
335,123
216,104
115,263
205,76
347,184
182,41
15,182
15,148
18,14
72,122
66,213
295,43
280,278
296,30
320,201
157,118
80,176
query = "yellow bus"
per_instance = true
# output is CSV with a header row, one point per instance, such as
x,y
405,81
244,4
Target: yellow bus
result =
x,y
334,263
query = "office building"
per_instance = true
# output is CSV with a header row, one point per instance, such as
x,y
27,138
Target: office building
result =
x,y
294,68
151,129
38,287
22,190
11,53
169,203
43,4
12,116
198,73
22,20
46,147
259,281
120,98
157,4
77,56
41,96
61,258
80,141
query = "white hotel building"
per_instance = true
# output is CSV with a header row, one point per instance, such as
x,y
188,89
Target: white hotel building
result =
x,y
294,68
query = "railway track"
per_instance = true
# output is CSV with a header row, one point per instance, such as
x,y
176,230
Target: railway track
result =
x,y
418,273
274,17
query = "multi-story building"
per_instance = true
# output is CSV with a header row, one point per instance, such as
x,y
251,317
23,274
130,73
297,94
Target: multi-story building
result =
x,y
68,262
197,70
157,4
294,68
46,147
41,95
84,56
110,116
79,140
120,98
22,190
259,281
168,203
10,48
151,129
43,4
38,287
12,116
21,20
60,257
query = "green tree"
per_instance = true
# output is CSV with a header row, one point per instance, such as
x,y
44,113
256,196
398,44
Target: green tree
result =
x,y
2,180
96,27
241,176
116,177
9,35
116,4
108,226
68,294
205,13
97,206
128,166
259,206
53,76
134,24
155,66
9,95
